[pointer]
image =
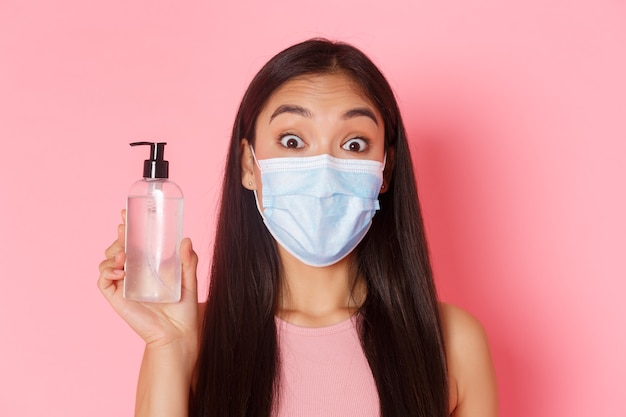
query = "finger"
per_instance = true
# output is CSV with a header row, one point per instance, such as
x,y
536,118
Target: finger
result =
x,y
119,260
189,260
121,235
107,263
115,248
109,281
119,244
116,262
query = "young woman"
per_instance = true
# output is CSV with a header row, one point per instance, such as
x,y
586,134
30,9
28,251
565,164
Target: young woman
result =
x,y
321,299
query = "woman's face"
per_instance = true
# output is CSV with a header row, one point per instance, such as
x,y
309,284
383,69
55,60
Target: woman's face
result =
x,y
314,115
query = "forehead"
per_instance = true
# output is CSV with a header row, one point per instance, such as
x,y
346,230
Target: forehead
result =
x,y
326,90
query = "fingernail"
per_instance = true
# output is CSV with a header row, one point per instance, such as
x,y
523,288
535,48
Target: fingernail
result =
x,y
118,272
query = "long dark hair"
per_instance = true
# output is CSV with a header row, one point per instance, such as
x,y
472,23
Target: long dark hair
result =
x,y
399,324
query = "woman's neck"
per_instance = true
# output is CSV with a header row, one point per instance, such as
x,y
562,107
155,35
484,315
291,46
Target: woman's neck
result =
x,y
318,297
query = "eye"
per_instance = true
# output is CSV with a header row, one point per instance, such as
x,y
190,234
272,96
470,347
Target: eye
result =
x,y
291,141
355,145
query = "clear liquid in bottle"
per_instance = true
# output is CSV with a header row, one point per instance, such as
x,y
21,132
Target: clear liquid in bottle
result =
x,y
153,234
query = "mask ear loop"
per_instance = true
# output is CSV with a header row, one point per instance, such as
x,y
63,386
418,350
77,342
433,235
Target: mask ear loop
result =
x,y
256,161
256,196
382,187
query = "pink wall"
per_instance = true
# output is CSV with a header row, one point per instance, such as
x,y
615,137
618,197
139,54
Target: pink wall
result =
x,y
516,112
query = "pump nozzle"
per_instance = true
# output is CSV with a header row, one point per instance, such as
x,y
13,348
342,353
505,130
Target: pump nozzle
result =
x,y
155,167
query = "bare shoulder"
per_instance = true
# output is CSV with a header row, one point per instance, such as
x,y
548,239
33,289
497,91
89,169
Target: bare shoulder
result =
x,y
458,324
473,388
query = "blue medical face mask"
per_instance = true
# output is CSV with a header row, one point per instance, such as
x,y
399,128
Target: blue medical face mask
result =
x,y
319,208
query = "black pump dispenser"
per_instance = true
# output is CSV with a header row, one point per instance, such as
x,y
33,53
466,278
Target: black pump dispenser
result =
x,y
155,167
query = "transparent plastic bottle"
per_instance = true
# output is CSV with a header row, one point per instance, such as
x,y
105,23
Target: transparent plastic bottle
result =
x,y
154,223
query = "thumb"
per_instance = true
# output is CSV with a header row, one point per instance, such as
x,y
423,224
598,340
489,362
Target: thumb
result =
x,y
189,260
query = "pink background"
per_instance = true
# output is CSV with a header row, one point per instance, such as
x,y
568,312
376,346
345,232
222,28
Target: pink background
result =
x,y
517,116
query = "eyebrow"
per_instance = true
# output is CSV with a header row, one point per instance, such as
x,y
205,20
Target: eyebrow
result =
x,y
299,110
360,111
291,108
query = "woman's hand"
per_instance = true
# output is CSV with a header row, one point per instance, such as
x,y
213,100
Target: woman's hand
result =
x,y
158,324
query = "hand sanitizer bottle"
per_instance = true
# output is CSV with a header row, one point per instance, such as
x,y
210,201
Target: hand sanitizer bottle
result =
x,y
154,223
